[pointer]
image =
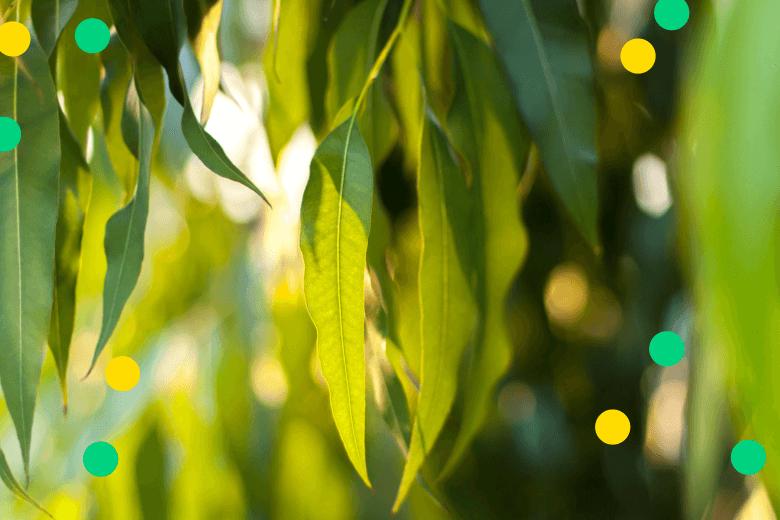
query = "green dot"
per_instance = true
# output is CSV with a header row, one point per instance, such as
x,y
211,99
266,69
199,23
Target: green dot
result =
x,y
100,459
92,35
671,14
666,348
10,134
748,457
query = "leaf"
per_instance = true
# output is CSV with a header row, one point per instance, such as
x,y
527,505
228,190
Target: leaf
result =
x,y
49,17
543,46
124,241
728,198
335,221
150,475
351,55
162,27
8,479
289,105
203,17
28,216
407,91
499,235
74,193
447,308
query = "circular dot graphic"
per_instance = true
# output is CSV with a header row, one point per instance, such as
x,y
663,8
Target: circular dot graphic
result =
x,y
14,38
667,348
100,459
122,373
612,427
671,14
637,56
92,35
10,134
748,457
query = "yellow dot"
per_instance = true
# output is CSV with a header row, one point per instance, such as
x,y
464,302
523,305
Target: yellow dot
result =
x,y
14,38
612,427
637,56
122,373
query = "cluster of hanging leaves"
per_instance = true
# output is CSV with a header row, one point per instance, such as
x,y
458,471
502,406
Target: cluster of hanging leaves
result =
x,y
471,90
56,92
466,90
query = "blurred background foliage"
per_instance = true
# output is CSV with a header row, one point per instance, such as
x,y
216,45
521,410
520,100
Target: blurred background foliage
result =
x,y
231,418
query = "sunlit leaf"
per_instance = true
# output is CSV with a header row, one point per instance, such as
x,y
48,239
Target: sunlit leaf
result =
x,y
203,18
447,307
8,479
499,234
124,242
543,46
28,215
335,221
49,17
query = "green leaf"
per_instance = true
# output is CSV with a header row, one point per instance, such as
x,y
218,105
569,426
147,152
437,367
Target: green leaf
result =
x,y
335,221
8,479
124,241
728,191
75,189
162,26
153,493
203,17
543,46
289,105
351,55
499,234
28,216
49,17
447,308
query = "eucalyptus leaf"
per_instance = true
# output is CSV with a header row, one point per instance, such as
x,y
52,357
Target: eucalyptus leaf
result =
x,y
335,222
8,479
49,17
29,178
203,18
447,308
544,48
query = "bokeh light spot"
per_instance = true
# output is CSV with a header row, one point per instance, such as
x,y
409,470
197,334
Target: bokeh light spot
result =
x,y
122,373
667,348
612,427
100,459
92,35
671,14
14,38
748,457
638,56
10,134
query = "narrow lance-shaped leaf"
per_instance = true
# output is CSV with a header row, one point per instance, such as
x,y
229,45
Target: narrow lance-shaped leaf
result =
x,y
8,479
28,215
447,308
203,18
543,46
124,242
335,221
162,26
49,17
499,236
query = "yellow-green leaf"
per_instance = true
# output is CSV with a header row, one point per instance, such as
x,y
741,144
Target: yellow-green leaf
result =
x,y
499,234
8,479
543,46
447,308
203,18
29,177
335,221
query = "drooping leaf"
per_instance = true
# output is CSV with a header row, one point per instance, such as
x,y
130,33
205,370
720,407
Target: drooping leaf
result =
x,y
288,85
28,215
351,56
407,94
203,18
543,46
447,308
499,234
49,17
124,241
8,479
150,475
163,28
335,222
